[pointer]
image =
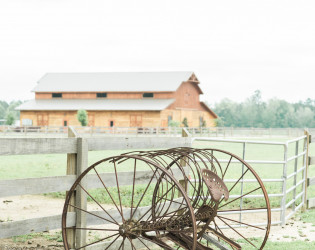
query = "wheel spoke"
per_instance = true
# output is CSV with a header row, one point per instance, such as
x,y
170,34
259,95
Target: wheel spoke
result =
x,y
93,229
143,194
99,241
90,213
143,243
112,242
133,187
241,222
120,212
238,233
227,167
132,245
117,184
115,222
239,197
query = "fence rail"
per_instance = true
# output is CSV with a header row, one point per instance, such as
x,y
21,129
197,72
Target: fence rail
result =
x,y
298,168
156,131
74,148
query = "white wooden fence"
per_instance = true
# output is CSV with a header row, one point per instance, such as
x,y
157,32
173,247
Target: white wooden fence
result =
x,y
77,150
6,131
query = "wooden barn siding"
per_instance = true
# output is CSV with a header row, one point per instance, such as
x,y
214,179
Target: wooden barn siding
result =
x,y
101,118
189,102
110,95
191,115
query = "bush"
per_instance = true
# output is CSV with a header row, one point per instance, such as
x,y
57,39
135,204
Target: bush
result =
x,y
174,124
185,122
82,117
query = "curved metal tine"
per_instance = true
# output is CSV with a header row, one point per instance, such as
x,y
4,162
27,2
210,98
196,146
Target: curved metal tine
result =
x,y
156,160
174,156
120,212
160,199
151,209
114,222
211,159
144,192
159,205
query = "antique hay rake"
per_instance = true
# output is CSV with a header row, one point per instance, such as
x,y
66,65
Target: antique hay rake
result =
x,y
211,207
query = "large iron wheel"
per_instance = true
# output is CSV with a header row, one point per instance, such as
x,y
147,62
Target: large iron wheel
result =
x,y
119,212
245,218
242,220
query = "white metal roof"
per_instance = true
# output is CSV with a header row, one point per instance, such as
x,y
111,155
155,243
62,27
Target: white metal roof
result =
x,y
97,104
112,81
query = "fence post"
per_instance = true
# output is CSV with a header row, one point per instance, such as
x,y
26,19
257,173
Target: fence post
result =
x,y
295,170
305,171
184,183
284,185
81,196
71,170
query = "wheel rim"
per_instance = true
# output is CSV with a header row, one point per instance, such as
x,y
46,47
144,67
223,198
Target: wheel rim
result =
x,y
130,220
234,218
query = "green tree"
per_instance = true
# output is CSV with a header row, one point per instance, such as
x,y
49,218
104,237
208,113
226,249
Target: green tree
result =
x,y
82,117
10,118
173,123
185,122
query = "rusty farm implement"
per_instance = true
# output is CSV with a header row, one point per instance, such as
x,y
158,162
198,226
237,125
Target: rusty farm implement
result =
x,y
180,198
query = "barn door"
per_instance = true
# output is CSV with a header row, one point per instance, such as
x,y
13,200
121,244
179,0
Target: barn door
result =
x,y
135,120
42,120
91,120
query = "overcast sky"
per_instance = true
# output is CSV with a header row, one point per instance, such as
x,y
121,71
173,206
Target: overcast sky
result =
x,y
234,47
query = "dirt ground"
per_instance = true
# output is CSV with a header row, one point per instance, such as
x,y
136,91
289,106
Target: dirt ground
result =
x,y
32,206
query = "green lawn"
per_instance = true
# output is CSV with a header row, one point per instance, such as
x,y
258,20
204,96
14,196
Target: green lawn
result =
x,y
27,166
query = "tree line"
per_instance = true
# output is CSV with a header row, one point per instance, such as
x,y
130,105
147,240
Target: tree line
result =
x,y
253,112
8,113
274,113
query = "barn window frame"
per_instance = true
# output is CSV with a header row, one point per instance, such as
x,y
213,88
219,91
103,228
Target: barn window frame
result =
x,y
56,95
148,95
101,95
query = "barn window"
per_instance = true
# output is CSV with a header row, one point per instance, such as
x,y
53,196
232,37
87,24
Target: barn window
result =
x,y
101,95
169,119
148,95
56,95
201,121
65,123
111,123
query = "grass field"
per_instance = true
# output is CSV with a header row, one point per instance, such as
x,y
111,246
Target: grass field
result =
x,y
28,166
